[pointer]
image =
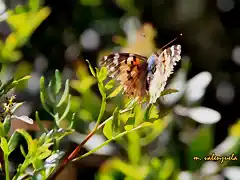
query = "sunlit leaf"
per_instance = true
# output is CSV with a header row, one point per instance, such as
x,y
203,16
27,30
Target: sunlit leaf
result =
x,y
168,91
110,84
4,145
28,138
58,81
115,92
7,124
39,122
101,89
12,144
102,74
107,130
67,109
23,151
115,122
65,94
91,69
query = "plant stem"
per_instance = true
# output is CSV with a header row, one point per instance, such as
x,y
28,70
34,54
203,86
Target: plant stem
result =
x,y
6,164
78,148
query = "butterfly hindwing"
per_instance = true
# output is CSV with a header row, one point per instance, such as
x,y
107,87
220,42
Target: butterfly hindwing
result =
x,y
164,64
130,70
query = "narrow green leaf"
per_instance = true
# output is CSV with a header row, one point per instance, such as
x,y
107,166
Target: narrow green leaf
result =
x,y
58,81
38,164
67,109
15,106
43,89
12,144
107,130
110,84
72,121
44,104
28,138
7,124
168,91
51,91
101,89
42,138
2,133
115,122
102,74
4,146
147,112
91,69
65,94
23,151
134,148
115,92
12,83
41,127
44,154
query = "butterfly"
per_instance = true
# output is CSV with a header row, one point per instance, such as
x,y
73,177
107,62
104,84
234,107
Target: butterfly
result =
x,y
141,76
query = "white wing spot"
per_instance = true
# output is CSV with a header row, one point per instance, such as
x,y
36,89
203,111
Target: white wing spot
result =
x,y
105,58
172,51
129,59
112,68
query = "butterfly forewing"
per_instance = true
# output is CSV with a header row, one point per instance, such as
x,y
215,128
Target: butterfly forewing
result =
x,y
130,70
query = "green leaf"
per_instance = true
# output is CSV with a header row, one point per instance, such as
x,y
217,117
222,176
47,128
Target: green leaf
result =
x,y
42,138
115,122
168,91
23,151
200,146
134,149
72,121
65,94
101,89
147,112
43,89
12,144
44,154
107,130
167,169
28,138
102,74
41,127
110,84
34,5
7,124
4,146
12,83
44,104
58,81
2,133
91,69
67,109
115,92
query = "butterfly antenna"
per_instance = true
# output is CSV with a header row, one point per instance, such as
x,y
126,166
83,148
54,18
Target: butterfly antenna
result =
x,y
170,42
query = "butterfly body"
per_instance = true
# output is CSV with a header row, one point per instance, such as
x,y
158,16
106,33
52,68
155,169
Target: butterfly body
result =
x,y
142,76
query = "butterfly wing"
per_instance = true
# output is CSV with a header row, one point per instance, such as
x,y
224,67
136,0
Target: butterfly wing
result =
x,y
159,69
130,70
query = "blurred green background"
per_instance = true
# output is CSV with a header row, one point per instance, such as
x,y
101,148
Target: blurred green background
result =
x,y
41,36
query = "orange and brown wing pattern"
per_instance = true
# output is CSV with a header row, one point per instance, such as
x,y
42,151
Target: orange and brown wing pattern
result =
x,y
130,70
